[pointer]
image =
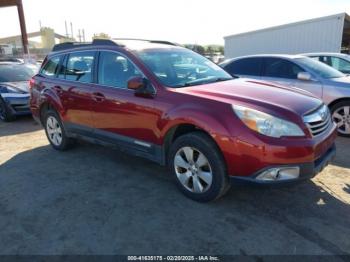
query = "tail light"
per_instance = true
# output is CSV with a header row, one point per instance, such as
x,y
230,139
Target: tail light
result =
x,y
31,83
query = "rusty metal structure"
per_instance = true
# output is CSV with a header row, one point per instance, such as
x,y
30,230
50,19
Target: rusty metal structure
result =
x,y
19,5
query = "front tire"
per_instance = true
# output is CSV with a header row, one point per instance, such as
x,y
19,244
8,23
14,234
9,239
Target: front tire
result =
x,y
55,132
341,116
198,167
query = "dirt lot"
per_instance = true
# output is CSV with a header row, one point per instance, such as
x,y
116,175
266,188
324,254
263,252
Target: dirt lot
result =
x,y
95,200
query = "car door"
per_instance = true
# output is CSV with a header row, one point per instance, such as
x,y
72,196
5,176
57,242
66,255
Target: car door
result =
x,y
279,71
75,77
119,116
245,68
285,72
313,85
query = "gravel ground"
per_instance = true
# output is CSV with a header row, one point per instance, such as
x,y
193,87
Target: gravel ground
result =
x,y
95,200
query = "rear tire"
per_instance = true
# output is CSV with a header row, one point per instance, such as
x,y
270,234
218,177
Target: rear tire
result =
x,y
198,167
5,112
55,132
341,116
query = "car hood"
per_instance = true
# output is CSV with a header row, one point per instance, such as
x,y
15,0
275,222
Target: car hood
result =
x,y
257,94
17,87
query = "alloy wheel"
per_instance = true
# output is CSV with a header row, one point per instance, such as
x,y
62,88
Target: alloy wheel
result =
x,y
54,130
341,117
193,169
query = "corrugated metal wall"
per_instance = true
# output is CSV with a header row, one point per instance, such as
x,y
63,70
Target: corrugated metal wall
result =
x,y
317,35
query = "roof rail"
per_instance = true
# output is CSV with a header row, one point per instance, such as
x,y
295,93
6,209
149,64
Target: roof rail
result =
x,y
95,42
146,40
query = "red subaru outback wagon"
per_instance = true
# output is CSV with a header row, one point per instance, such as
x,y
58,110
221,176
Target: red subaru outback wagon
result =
x,y
160,101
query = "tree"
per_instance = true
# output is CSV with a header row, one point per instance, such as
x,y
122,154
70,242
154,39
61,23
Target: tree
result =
x,y
196,48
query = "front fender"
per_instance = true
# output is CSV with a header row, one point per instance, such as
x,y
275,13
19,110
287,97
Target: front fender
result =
x,y
334,93
203,118
217,124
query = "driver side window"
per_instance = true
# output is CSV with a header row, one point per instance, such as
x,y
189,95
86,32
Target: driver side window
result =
x,y
280,68
115,70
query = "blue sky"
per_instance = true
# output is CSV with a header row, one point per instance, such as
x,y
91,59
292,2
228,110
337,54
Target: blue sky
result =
x,y
183,21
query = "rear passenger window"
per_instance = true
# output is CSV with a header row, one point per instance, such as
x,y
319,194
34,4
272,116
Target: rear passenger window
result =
x,y
51,66
79,67
280,68
246,66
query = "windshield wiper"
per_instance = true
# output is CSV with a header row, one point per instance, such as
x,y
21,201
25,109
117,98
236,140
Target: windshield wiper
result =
x,y
204,81
220,79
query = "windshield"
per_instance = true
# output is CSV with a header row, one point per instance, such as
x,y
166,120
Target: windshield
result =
x,y
319,68
182,67
16,72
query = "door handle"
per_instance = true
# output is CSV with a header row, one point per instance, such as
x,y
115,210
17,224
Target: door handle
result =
x,y
98,97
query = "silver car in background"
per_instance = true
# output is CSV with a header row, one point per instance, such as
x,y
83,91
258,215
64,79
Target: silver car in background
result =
x,y
325,82
338,61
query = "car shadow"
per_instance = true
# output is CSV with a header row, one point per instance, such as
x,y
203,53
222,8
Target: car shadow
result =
x,y
95,200
22,124
343,152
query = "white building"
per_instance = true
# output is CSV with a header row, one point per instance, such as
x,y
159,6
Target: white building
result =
x,y
6,49
324,34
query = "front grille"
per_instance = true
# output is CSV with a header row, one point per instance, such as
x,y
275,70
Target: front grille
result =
x,y
318,121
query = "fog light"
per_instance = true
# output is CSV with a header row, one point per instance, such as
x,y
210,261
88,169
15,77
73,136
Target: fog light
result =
x,y
279,173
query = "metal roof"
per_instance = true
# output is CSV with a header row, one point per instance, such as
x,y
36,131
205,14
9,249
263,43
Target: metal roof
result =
x,y
341,15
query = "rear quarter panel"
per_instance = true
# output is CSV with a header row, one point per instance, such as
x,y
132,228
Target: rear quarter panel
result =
x,y
41,93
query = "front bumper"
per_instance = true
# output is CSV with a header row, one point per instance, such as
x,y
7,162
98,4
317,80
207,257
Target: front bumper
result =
x,y
17,103
307,171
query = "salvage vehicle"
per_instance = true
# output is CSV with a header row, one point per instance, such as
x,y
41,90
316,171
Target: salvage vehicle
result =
x,y
325,82
210,129
14,89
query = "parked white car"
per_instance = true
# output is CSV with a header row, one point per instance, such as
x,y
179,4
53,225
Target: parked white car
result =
x,y
339,61
301,72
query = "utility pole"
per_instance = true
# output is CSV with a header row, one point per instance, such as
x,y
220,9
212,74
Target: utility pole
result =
x,y
79,35
84,36
18,3
22,23
71,29
65,24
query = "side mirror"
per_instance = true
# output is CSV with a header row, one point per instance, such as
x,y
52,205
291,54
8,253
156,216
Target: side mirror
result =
x,y
305,76
135,83
141,86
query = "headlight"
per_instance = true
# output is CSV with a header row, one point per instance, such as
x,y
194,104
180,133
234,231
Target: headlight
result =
x,y
267,124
